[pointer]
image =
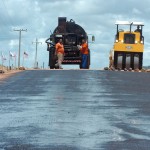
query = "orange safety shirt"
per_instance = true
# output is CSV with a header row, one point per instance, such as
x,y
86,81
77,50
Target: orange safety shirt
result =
x,y
59,48
84,49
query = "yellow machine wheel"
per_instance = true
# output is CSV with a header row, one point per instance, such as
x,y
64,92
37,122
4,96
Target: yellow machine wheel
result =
x,y
128,60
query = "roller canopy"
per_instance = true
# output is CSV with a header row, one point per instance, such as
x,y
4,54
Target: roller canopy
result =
x,y
129,23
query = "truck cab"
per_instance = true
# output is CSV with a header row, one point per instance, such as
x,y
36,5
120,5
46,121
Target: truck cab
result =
x,y
72,35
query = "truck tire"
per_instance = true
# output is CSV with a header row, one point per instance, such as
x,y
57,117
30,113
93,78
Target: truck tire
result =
x,y
52,67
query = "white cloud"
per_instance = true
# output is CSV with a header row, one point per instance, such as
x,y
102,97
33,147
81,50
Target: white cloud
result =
x,y
13,43
136,11
95,16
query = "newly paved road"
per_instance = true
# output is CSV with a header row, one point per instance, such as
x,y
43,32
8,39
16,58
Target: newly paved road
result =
x,y
75,110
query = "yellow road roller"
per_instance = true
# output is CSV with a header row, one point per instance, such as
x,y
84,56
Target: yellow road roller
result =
x,y
128,48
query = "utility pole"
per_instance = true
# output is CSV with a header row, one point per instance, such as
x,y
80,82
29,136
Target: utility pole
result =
x,y
43,65
36,42
20,30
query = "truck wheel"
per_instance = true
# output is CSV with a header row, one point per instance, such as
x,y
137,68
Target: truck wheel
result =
x,y
80,65
52,67
88,63
88,66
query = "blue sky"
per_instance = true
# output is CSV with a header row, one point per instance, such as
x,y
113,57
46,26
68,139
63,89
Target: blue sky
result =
x,y
97,17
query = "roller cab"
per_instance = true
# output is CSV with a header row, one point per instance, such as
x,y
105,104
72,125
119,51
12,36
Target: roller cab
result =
x,y
128,48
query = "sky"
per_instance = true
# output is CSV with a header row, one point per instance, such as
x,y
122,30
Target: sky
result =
x,y
39,17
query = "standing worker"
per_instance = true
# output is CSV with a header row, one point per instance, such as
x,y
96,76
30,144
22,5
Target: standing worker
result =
x,y
84,51
59,51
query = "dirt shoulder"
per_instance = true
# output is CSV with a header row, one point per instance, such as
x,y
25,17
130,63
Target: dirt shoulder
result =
x,y
7,74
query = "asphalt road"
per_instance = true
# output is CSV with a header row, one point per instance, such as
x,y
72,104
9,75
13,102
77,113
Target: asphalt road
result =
x,y
75,110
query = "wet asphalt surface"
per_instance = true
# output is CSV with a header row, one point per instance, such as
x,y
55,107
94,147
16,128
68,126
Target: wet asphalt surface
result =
x,y
75,110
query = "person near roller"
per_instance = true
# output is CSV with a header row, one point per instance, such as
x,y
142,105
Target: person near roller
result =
x,y
84,51
60,53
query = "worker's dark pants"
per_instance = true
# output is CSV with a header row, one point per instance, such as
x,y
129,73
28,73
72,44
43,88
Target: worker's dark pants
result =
x,y
84,61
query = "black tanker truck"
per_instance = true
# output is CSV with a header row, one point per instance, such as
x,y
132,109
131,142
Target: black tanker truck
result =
x,y
72,35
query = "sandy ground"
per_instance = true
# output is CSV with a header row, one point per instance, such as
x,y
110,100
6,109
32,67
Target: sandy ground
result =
x,y
8,73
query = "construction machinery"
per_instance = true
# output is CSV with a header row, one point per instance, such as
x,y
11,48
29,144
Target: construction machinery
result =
x,y
72,35
128,48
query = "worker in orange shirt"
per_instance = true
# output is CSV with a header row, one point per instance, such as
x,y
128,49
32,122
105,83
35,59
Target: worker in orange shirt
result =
x,y
59,51
84,51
